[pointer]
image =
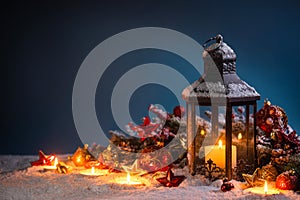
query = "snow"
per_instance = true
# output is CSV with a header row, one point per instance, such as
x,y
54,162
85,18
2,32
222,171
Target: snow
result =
x,y
18,180
219,90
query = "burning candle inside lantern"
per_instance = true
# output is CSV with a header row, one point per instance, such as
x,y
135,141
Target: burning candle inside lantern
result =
x,y
240,136
202,132
49,167
217,154
220,144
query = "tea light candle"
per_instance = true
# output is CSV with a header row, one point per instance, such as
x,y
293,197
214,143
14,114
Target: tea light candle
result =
x,y
265,190
129,181
93,172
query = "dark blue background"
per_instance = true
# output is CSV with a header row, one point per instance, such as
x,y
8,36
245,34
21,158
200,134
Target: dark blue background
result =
x,y
44,43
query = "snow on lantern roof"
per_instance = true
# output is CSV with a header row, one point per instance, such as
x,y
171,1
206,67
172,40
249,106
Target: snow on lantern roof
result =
x,y
219,79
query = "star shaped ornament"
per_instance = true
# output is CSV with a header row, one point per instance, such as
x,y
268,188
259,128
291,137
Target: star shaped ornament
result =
x,y
253,179
170,180
134,169
44,159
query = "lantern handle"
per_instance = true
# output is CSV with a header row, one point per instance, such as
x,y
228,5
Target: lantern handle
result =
x,y
218,39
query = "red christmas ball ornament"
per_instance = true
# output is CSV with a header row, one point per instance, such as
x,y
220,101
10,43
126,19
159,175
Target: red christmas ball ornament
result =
x,y
287,180
227,185
179,111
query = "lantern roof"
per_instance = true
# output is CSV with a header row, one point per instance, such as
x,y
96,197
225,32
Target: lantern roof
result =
x,y
219,79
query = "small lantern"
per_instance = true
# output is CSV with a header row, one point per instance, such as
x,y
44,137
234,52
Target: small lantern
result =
x,y
229,104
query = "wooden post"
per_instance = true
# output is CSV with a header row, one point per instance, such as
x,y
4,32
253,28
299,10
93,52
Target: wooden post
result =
x,y
255,133
215,123
191,133
228,145
247,131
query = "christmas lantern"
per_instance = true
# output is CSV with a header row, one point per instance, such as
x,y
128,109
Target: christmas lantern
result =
x,y
229,103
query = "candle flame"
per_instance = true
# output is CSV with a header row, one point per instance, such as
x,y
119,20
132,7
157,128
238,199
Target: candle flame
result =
x,y
240,136
128,177
220,144
266,187
55,162
202,132
93,170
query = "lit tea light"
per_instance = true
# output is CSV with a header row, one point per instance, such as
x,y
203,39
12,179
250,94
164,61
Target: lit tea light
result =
x,y
266,187
129,180
51,167
265,190
93,172
240,136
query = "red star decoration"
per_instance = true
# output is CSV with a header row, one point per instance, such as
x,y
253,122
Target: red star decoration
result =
x,y
170,180
43,159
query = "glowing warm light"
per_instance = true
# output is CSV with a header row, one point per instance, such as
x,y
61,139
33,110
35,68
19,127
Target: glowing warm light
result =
x,y
220,144
51,167
128,178
265,190
55,162
240,136
217,154
266,187
93,172
202,132
78,159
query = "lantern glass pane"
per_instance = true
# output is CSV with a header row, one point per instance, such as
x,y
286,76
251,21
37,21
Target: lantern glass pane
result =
x,y
243,133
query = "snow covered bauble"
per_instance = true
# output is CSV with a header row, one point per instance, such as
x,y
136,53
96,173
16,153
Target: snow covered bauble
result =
x,y
271,117
287,180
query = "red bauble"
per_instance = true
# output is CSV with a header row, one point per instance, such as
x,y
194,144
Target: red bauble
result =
x,y
227,185
178,111
286,181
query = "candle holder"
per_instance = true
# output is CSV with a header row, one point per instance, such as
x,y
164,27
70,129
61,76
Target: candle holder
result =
x,y
93,172
129,180
264,190
231,103
211,171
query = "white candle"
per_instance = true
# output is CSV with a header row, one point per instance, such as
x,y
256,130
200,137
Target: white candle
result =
x,y
265,190
93,172
128,180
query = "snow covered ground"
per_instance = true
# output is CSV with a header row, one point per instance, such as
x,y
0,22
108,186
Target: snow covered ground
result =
x,y
20,181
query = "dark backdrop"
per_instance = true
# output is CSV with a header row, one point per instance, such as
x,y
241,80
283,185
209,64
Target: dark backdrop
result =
x,y
44,43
